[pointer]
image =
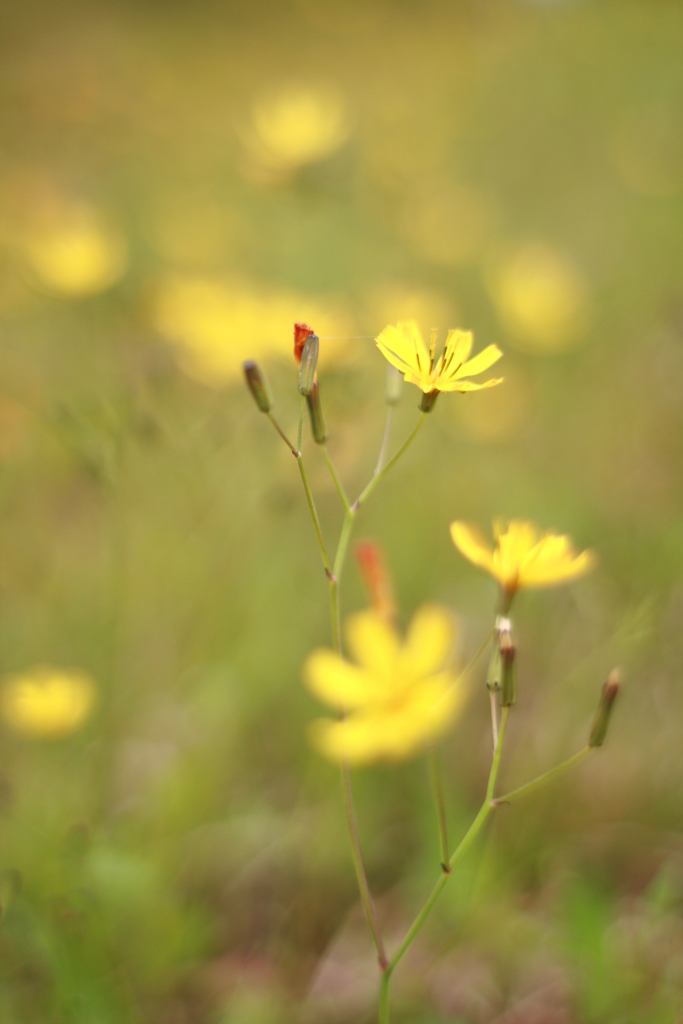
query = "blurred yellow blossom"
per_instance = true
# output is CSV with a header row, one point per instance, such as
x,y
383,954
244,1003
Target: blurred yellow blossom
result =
x,y
215,324
73,251
404,348
522,557
297,125
399,697
540,298
47,703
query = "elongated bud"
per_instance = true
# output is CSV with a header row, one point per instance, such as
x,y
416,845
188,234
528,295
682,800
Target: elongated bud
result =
x,y
393,386
508,682
309,361
315,409
376,577
495,670
258,385
428,399
301,333
604,712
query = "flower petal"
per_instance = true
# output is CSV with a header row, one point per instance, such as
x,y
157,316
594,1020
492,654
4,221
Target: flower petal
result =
x,y
458,348
428,642
338,683
374,643
403,346
554,561
467,385
471,543
487,357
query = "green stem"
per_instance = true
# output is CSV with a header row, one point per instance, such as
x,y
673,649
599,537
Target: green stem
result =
x,y
440,806
494,718
527,787
465,843
385,442
293,450
314,515
377,476
337,482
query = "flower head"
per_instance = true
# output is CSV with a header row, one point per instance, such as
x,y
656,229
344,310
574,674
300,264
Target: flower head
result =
x,y
396,698
301,334
403,346
47,703
522,557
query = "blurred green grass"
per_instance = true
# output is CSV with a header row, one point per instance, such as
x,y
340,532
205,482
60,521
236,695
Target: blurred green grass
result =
x,y
182,859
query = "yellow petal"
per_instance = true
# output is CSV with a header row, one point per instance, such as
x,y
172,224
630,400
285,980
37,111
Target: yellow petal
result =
x,y
424,383
467,385
429,641
512,548
403,346
373,643
554,561
471,543
358,740
337,682
458,348
490,355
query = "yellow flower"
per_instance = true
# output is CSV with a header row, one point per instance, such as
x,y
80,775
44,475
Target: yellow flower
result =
x,y
403,346
47,702
521,556
397,698
297,126
76,253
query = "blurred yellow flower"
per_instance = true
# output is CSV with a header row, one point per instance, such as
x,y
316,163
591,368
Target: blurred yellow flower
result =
x,y
522,557
399,697
47,703
296,126
75,252
404,348
540,298
216,324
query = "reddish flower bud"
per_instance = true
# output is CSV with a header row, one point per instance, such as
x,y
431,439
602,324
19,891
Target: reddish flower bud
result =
x,y
604,712
301,332
376,577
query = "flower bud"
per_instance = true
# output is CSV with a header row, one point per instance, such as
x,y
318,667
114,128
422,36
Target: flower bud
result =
x,y
495,670
376,578
301,333
604,712
393,386
315,409
309,361
428,399
508,682
258,385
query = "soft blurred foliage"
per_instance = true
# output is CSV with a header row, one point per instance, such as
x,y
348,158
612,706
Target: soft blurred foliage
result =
x,y
179,183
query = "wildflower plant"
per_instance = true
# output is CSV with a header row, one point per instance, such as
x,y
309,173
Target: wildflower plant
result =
x,y
397,696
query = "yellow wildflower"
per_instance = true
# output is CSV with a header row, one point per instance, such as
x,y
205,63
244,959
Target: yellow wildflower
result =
x,y
396,699
47,703
403,346
76,253
521,556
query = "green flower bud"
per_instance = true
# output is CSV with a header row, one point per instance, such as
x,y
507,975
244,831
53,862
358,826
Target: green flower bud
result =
x,y
258,385
309,361
393,386
495,670
508,683
604,712
315,409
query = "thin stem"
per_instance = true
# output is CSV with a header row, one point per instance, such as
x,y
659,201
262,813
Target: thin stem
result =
x,y
361,877
473,831
314,515
377,476
282,434
337,482
527,787
468,667
385,442
342,547
440,806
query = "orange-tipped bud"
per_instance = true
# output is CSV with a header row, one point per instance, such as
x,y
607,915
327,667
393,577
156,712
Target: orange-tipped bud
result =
x,y
301,333
376,577
604,713
309,361
258,385
315,409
